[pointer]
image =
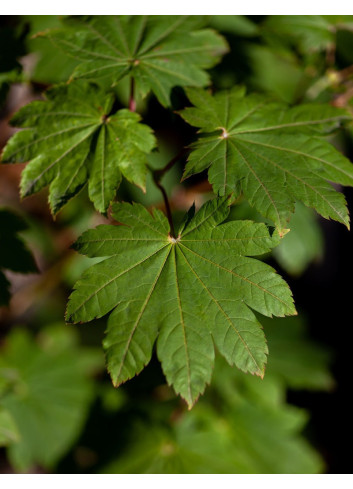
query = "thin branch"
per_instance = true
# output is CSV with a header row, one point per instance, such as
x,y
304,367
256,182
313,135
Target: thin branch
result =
x,y
167,207
132,101
157,176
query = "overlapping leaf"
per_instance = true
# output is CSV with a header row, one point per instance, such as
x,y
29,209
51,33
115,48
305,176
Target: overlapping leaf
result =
x,y
274,155
159,52
188,292
71,139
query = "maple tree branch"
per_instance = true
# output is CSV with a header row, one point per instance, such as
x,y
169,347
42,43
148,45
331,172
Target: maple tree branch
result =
x,y
167,207
157,175
132,101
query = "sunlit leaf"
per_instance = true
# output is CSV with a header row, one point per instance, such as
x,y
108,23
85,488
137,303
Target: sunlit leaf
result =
x,y
159,52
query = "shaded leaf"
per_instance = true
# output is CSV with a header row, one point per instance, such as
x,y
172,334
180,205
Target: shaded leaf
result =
x,y
187,292
72,138
223,436
49,398
51,65
8,429
14,254
301,363
309,32
303,244
10,69
238,25
274,155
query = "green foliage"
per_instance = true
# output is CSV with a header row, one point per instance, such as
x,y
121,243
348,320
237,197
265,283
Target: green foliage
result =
x,y
206,442
274,155
238,416
73,138
47,392
186,290
239,25
181,296
295,360
14,254
307,32
52,65
8,429
303,245
158,52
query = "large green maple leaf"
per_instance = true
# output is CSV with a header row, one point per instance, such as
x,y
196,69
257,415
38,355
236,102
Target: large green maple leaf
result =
x,y
159,52
190,292
274,155
72,138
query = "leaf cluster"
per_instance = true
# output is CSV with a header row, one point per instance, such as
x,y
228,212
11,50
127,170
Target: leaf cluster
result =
x,y
192,290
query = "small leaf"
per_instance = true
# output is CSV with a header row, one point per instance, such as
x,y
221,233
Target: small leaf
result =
x,y
274,155
185,293
71,139
159,52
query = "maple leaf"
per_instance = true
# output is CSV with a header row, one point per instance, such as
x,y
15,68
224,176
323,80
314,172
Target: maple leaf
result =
x,y
309,32
159,52
71,139
271,153
189,292
48,392
8,429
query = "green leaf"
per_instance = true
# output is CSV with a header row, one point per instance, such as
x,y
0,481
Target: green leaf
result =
x,y
274,155
8,429
72,138
238,25
303,244
159,52
309,32
50,394
280,76
301,363
223,434
51,65
14,254
188,292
